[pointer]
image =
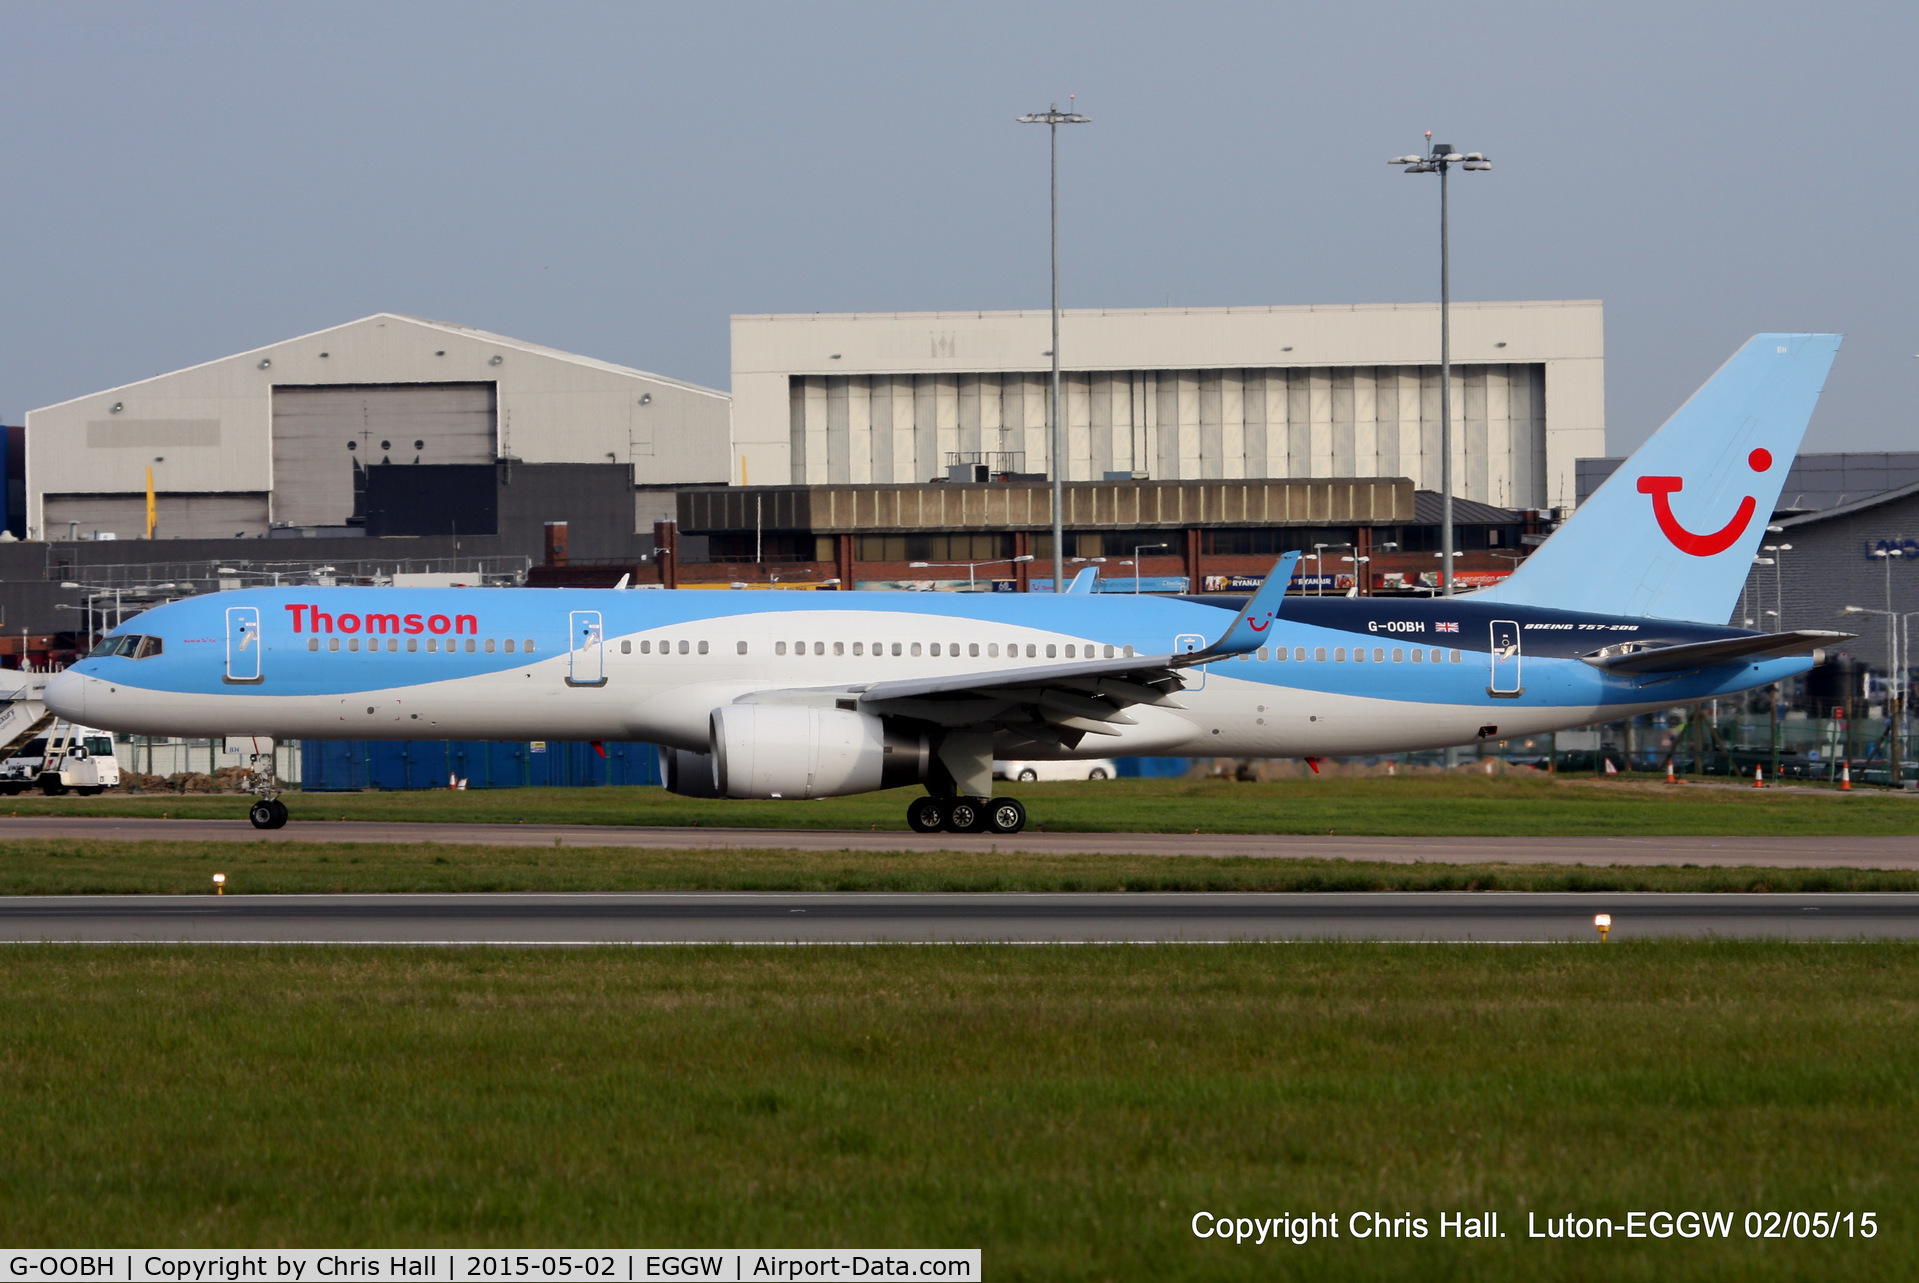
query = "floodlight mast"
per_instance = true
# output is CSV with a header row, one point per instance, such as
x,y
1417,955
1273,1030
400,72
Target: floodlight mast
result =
x,y
1053,118
1439,158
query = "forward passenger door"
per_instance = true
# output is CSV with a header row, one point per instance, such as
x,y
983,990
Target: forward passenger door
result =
x,y
243,646
586,658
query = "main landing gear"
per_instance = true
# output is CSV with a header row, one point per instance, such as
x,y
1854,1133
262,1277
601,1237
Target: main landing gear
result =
x,y
999,815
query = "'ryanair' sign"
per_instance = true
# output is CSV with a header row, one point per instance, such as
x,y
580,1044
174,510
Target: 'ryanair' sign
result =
x,y
1897,548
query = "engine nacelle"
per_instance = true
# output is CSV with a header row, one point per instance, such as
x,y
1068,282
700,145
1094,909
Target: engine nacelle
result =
x,y
787,750
688,774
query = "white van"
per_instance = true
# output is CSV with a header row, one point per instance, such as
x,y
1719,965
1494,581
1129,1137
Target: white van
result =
x,y
66,758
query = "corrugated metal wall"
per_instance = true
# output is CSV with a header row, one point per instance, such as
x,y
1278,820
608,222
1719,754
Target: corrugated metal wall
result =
x,y
1364,421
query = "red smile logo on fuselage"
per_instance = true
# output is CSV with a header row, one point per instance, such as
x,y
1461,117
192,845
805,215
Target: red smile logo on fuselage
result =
x,y
1662,488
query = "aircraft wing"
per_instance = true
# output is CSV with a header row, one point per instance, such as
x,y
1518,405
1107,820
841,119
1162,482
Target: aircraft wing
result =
x,y
1708,654
1059,703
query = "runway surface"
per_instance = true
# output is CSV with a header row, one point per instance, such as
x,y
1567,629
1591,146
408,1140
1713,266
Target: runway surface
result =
x,y
846,919
1771,852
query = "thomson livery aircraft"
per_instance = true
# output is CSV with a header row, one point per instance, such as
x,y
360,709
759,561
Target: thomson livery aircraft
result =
x,y
775,695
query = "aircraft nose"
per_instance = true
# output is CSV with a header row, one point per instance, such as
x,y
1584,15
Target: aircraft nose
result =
x,y
66,696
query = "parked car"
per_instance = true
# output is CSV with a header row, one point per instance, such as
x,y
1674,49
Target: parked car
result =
x,y
1104,768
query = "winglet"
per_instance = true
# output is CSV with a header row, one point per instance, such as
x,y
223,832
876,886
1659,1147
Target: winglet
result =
x,y
1083,582
1248,631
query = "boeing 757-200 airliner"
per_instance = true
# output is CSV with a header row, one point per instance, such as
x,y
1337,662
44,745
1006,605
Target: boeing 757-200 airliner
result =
x,y
774,695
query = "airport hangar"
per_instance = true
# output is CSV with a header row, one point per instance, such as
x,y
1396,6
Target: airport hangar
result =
x,y
403,443
1227,435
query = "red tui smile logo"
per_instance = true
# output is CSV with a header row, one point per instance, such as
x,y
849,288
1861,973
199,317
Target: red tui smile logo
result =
x,y
1662,488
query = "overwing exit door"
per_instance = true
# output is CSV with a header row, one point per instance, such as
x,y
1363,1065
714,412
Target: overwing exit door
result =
x,y
586,658
243,646
1505,682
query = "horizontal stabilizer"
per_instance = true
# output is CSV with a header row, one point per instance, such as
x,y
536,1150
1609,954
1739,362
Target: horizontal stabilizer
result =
x,y
1709,654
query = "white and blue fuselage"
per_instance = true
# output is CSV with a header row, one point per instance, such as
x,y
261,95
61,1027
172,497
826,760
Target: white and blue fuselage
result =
x,y
1334,676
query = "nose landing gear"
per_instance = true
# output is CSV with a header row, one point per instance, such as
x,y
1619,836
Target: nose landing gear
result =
x,y
267,810
268,813
1000,815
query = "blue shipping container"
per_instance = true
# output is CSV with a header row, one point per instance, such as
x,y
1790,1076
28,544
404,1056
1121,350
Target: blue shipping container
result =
x,y
344,766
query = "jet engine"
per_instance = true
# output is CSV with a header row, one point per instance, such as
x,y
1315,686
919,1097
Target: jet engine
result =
x,y
787,750
688,774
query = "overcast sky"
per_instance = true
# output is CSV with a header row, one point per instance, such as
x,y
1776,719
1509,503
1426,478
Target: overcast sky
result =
x,y
186,181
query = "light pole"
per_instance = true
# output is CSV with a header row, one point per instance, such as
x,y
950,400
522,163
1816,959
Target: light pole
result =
x,y
1439,159
1357,561
1894,678
1053,118
971,582
1137,550
1778,574
1887,555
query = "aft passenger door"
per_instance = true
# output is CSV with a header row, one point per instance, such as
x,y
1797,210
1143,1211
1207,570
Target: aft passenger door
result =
x,y
586,660
1186,644
243,645
1505,683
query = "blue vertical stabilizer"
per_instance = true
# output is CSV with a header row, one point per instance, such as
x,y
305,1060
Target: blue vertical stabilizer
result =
x,y
1671,534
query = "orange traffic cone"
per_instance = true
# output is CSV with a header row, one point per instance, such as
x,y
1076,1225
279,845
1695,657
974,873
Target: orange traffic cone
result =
x,y
1759,777
1845,777
1670,777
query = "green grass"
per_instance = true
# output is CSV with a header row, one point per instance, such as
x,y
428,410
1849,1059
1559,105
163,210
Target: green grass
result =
x,y
1066,1110
1519,806
60,867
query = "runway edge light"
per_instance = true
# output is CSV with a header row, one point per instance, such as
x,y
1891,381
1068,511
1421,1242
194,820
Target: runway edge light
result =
x,y
219,884
1604,922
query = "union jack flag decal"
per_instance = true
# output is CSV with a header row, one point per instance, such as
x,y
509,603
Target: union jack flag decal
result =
x,y
1446,627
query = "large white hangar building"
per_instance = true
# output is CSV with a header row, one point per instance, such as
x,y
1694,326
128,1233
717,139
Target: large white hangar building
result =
x,y
281,436
1177,394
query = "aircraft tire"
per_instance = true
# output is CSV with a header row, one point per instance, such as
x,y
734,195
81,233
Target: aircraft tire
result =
x,y
925,815
965,815
279,814
262,815
1005,816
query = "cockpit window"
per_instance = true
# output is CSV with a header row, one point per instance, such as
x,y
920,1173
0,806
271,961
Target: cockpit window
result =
x,y
130,645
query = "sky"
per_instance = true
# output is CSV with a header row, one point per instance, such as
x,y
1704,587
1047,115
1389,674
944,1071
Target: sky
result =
x,y
184,181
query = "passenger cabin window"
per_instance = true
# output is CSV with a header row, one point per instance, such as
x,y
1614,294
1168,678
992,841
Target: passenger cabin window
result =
x,y
626,647
741,647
